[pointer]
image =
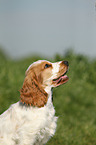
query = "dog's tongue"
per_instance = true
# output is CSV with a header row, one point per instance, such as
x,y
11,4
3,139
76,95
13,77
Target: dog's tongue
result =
x,y
62,78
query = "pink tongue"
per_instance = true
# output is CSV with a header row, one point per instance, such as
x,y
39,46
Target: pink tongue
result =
x,y
62,77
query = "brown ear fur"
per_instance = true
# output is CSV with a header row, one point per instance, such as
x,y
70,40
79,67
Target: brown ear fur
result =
x,y
32,93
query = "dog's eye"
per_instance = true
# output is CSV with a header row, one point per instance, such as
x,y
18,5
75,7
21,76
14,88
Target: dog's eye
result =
x,y
47,66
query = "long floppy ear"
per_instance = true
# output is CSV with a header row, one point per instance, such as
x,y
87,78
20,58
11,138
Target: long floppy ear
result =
x,y
32,93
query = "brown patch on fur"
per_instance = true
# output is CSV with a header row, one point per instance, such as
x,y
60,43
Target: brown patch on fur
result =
x,y
32,92
63,69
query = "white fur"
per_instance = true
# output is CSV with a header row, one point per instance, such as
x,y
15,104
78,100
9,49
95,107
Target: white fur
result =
x,y
55,69
24,125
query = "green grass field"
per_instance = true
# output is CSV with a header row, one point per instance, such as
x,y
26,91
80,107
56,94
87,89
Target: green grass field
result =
x,y
75,101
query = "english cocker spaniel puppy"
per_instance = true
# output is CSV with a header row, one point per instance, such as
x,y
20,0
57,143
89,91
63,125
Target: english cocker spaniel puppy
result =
x,y
32,121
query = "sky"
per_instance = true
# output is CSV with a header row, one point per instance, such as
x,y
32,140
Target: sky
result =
x,y
47,27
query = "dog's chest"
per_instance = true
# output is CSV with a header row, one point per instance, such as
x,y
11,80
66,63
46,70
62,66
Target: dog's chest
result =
x,y
39,123
43,117
47,125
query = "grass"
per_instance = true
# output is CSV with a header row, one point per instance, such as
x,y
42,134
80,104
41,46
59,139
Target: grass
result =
x,y
75,102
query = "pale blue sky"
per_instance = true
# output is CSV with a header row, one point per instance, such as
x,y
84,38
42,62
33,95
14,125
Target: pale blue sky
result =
x,y
47,27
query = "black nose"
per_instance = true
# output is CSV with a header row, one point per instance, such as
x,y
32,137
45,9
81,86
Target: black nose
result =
x,y
66,63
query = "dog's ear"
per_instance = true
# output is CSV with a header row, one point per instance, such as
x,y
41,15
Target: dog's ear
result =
x,y
32,93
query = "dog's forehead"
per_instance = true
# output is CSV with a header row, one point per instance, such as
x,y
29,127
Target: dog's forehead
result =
x,y
37,63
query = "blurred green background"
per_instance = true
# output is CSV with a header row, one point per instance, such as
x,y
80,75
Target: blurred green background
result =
x,y
75,101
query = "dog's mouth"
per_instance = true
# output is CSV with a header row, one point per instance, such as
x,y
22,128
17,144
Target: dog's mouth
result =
x,y
61,79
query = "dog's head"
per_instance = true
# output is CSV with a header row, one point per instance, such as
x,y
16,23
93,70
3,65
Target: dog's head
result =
x,y
39,75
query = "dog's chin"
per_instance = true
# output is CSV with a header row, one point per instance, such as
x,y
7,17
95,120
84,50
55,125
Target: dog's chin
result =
x,y
60,80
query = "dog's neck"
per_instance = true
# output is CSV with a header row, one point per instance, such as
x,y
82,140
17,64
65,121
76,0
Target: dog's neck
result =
x,y
49,91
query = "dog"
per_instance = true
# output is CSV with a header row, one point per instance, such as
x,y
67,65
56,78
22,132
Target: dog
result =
x,y
32,120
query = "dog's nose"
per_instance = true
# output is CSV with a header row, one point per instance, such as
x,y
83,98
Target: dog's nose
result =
x,y
66,63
